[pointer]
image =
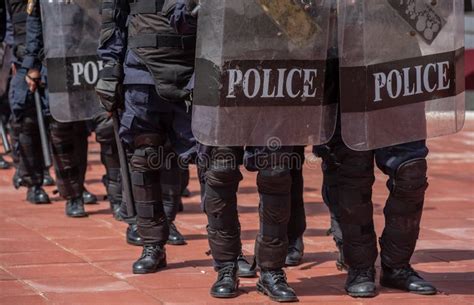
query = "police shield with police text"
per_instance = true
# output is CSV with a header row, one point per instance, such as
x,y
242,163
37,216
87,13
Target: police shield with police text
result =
x,y
406,58
71,32
260,73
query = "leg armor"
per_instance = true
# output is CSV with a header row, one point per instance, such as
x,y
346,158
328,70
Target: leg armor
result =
x,y
109,157
69,143
403,212
220,203
297,223
30,167
274,188
171,187
347,187
145,164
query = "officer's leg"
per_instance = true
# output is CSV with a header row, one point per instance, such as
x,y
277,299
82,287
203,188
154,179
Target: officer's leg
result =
x,y
406,167
69,145
297,223
329,167
171,194
30,167
142,132
151,218
222,179
104,132
348,180
271,246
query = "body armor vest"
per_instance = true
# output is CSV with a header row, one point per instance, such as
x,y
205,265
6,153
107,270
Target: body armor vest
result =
x,y
168,56
17,9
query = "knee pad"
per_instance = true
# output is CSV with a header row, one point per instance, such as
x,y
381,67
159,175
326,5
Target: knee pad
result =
x,y
407,188
274,181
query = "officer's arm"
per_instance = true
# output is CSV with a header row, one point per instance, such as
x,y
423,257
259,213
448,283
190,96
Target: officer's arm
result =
x,y
112,49
113,34
34,39
184,19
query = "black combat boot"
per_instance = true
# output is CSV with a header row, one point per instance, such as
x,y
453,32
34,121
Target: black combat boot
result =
x,y
406,279
175,238
17,181
295,252
88,197
3,163
115,208
153,258
37,195
245,269
133,238
273,283
75,208
227,283
47,179
361,283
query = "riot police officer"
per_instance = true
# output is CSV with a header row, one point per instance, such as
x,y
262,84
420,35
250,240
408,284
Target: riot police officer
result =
x,y
347,189
68,140
24,120
142,52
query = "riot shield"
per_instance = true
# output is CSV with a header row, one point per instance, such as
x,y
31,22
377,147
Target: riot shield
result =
x,y
71,33
401,69
260,67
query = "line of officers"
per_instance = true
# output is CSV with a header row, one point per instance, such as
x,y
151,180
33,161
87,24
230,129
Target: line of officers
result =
x,y
148,84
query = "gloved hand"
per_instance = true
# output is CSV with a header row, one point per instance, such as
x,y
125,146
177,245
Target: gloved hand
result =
x,y
109,87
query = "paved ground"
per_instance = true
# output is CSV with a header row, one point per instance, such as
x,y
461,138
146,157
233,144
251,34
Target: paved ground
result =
x,y
46,258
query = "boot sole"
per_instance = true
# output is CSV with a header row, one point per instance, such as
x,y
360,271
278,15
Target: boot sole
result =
x,y
264,291
362,295
383,284
224,295
39,202
77,216
154,270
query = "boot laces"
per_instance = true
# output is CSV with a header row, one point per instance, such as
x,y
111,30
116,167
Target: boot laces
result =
x,y
406,272
226,271
278,276
149,251
363,275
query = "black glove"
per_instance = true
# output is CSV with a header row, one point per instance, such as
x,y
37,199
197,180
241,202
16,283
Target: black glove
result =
x,y
109,87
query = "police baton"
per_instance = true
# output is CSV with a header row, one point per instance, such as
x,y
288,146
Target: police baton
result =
x,y
42,130
3,134
125,173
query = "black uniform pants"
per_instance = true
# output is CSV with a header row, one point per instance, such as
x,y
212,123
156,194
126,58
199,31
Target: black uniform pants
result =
x,y
347,187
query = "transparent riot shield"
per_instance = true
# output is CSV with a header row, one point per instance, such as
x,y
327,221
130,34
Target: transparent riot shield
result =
x,y
71,33
260,67
401,69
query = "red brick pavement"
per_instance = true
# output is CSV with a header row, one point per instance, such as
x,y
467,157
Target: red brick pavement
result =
x,y
46,258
